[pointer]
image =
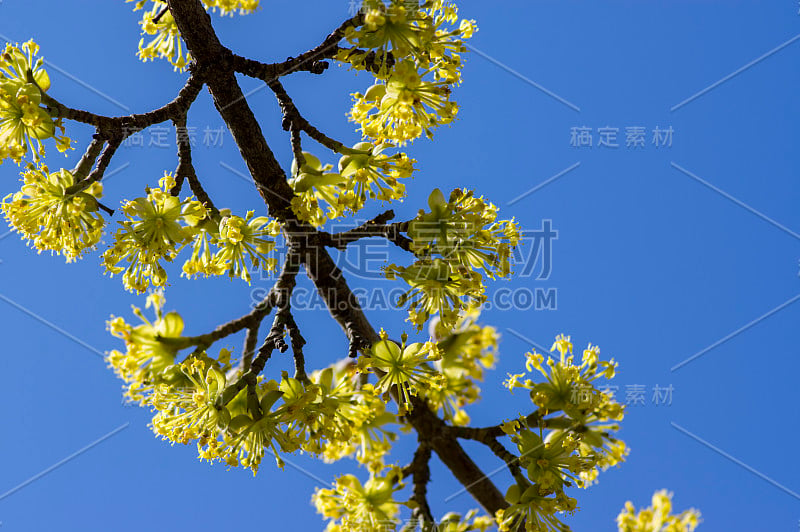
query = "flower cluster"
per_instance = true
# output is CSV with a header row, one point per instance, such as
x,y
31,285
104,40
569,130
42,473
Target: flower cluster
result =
x,y
466,352
453,522
569,388
658,517
362,417
153,232
415,54
364,171
464,231
160,225
579,444
166,39
202,400
371,172
538,513
232,433
150,350
238,241
314,183
52,219
436,287
24,122
353,506
404,106
166,42
405,367
457,243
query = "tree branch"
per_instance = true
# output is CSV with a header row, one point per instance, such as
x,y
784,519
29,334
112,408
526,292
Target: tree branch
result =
x,y
96,174
420,469
123,126
195,27
216,61
311,61
293,120
375,227
88,159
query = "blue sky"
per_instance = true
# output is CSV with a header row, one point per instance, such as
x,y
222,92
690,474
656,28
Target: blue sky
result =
x,y
664,252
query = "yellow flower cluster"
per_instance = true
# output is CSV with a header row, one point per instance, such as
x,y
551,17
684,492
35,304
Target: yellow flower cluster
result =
x,y
237,240
364,171
228,434
167,42
354,507
404,106
537,512
160,225
50,218
366,433
657,517
371,172
453,522
569,388
466,352
464,231
457,243
579,444
150,350
437,287
24,123
152,232
402,47
327,415
405,367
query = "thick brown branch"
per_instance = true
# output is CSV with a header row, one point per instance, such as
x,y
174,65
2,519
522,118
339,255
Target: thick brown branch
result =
x,y
195,27
217,63
421,472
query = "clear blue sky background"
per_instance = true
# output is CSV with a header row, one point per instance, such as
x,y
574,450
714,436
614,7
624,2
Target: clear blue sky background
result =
x,y
650,263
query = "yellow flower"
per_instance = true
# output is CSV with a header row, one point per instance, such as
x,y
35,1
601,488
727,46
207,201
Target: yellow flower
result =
x,y
404,107
51,219
24,123
241,238
153,232
437,287
313,183
465,232
356,506
167,42
372,173
150,350
563,344
657,517
405,367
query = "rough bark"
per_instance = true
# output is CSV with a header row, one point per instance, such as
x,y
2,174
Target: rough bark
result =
x,y
217,66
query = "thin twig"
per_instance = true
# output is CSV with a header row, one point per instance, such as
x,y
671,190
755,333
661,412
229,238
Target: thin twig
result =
x,y
124,126
292,119
311,61
93,151
97,174
375,227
